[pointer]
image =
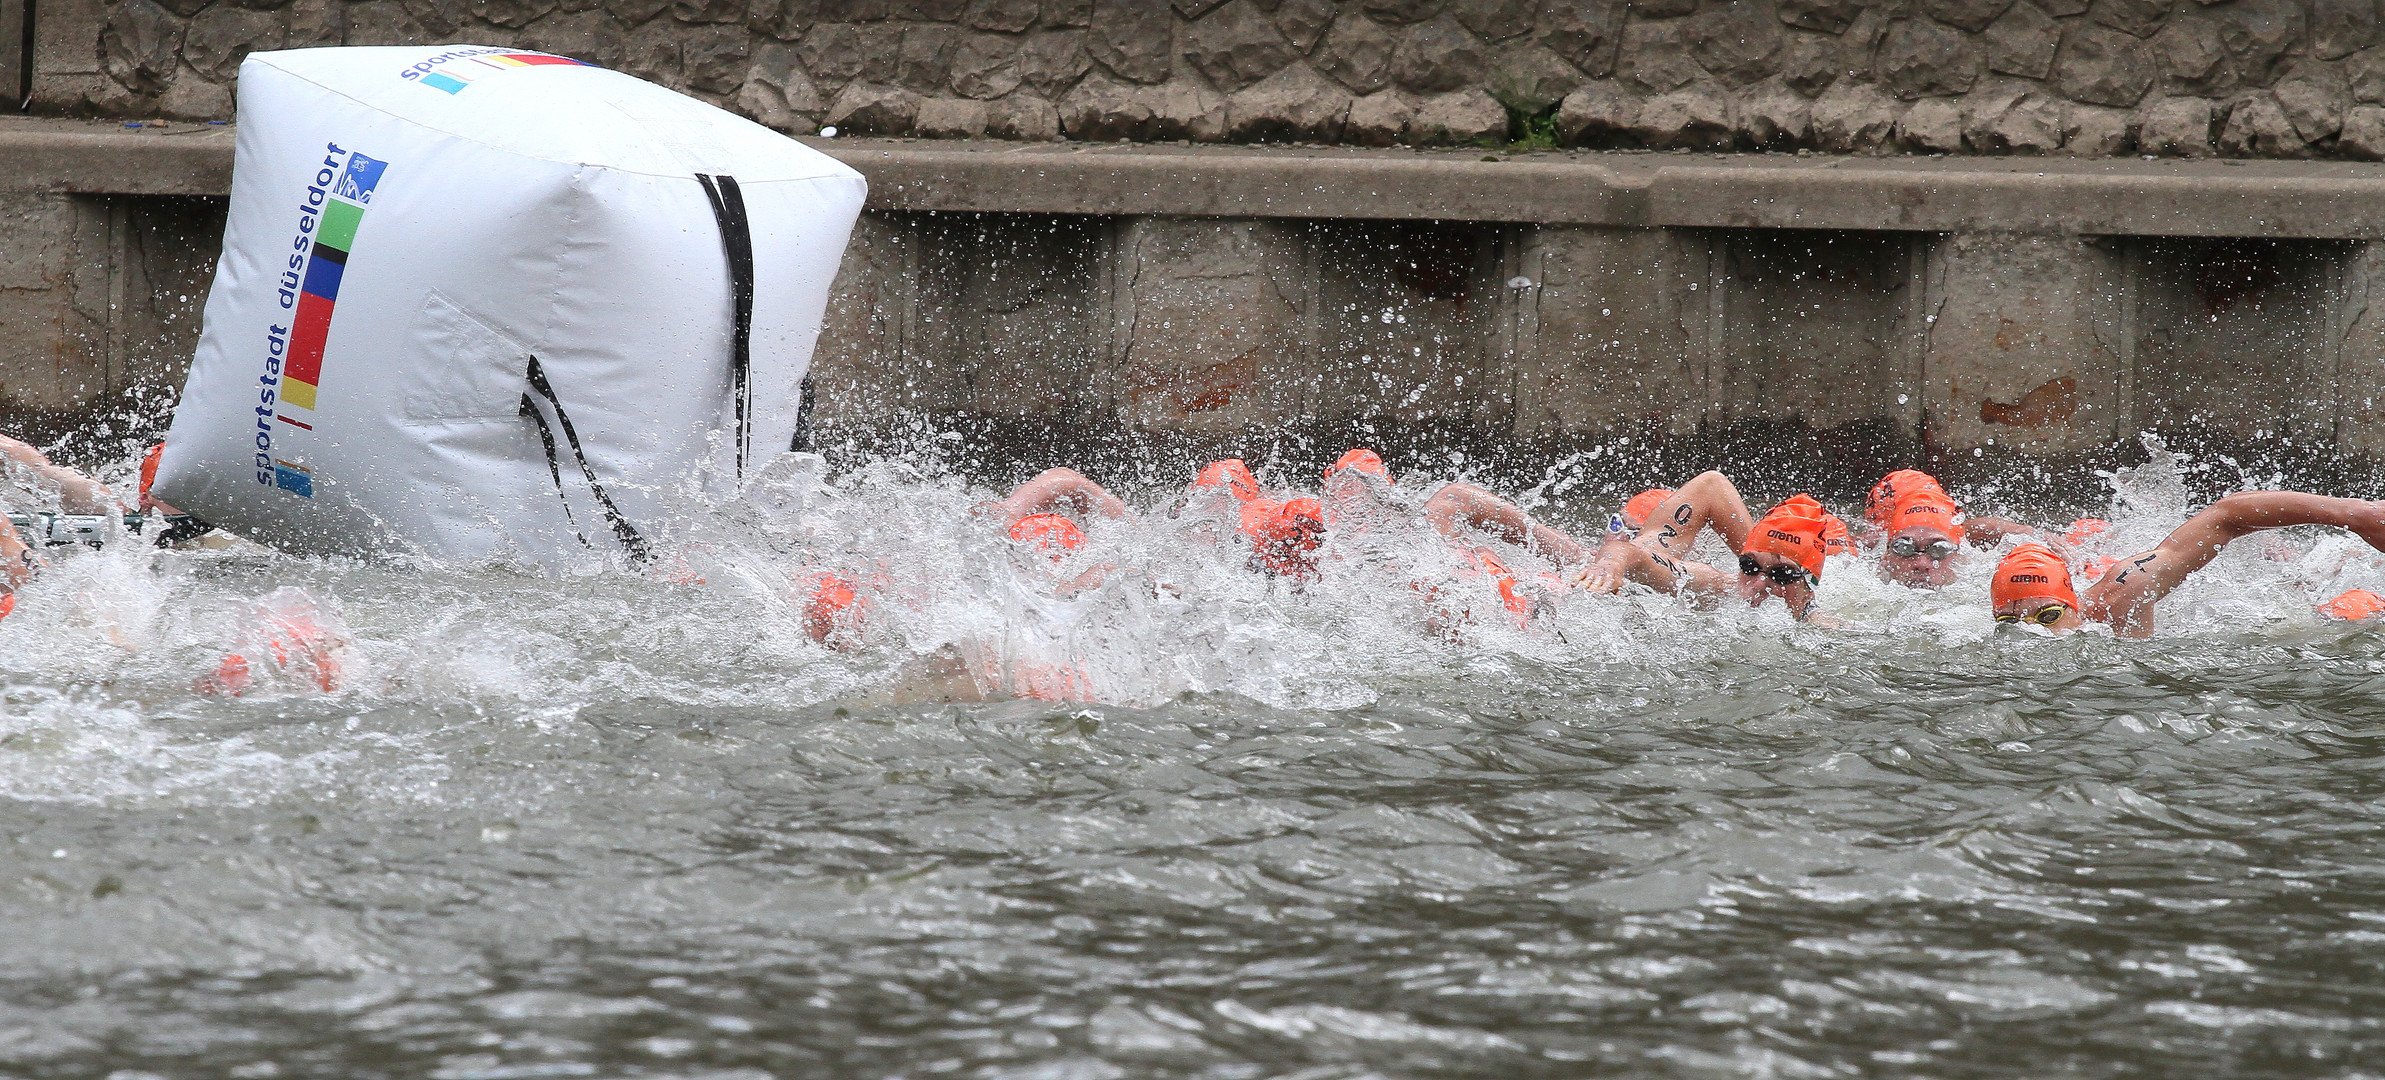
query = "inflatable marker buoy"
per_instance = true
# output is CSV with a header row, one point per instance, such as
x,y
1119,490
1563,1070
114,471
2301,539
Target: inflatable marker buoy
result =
x,y
477,299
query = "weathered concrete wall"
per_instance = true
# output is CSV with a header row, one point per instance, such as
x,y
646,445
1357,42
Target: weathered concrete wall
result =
x,y
2257,78
1966,350
99,307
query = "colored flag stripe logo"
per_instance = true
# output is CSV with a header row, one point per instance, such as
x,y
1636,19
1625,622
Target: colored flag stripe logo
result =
x,y
464,73
326,264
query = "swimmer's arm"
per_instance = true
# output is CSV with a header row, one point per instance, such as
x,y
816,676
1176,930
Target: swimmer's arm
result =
x,y
1461,507
2126,594
77,493
1709,498
1055,489
1991,531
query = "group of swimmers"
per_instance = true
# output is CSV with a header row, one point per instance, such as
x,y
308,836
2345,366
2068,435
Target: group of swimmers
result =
x,y
1919,532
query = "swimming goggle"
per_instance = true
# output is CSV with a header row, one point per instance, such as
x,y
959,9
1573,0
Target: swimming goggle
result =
x,y
1780,573
2044,616
1616,526
1908,547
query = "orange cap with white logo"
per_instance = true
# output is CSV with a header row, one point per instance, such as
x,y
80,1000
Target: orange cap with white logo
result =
x,y
2032,570
1880,509
1796,528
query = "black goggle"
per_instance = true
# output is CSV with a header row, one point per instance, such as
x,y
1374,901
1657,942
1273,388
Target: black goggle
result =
x,y
2044,616
1780,573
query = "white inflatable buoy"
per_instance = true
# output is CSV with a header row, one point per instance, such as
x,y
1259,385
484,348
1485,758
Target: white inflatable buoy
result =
x,y
477,299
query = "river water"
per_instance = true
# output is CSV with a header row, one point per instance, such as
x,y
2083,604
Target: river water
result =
x,y
628,824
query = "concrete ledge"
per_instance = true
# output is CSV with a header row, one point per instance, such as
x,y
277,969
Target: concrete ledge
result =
x,y
2057,196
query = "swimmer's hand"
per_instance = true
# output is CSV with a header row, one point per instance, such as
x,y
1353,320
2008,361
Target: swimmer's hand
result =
x,y
1608,571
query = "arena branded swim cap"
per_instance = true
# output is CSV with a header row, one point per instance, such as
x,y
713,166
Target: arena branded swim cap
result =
x,y
1926,506
1880,509
2032,570
1796,528
1230,474
2354,605
1052,534
1835,539
1362,460
1638,507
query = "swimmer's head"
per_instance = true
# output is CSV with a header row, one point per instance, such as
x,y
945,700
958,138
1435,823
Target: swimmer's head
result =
x,y
1634,515
1880,508
1231,476
2085,529
1355,487
1925,537
1784,552
1284,536
2032,588
1361,461
2354,605
1051,534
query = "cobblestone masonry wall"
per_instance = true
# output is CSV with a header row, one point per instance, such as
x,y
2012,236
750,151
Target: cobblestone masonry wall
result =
x,y
2245,78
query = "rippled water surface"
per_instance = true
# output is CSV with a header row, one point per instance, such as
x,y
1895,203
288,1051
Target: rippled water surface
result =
x,y
614,825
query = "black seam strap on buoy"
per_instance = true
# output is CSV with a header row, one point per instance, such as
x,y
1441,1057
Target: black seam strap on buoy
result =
x,y
622,529
546,441
737,241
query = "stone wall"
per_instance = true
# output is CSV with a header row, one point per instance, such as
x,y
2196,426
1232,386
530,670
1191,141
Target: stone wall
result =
x,y
2245,78
1814,354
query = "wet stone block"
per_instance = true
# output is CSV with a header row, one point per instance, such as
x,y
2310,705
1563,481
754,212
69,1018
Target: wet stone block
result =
x,y
1607,333
1211,323
1809,324
1405,315
2024,344
2237,340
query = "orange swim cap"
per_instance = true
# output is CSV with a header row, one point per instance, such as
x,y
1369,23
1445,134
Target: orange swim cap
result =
x,y
2354,605
1283,534
1880,509
8,603
149,471
1365,461
1926,506
2085,529
1796,528
1835,540
2032,570
1052,534
831,606
1638,507
1230,474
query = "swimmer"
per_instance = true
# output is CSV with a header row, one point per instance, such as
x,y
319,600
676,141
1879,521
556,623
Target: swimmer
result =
x,y
77,493
2033,584
1283,534
1924,529
1780,555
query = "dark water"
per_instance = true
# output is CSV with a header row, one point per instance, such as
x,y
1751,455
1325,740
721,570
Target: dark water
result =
x,y
610,826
